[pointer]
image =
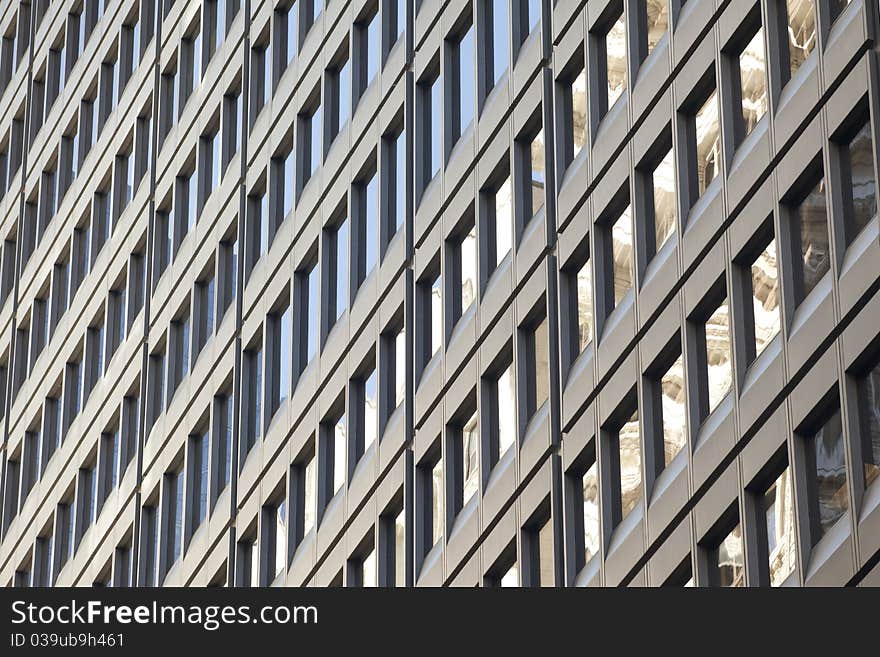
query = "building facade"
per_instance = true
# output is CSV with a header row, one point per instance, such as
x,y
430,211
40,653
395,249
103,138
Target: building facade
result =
x,y
422,293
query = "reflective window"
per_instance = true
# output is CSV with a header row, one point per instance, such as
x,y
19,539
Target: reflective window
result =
x,y
288,178
541,347
400,180
663,182
437,502
579,112
731,572
372,228
368,567
615,54
630,445
436,316
465,90
591,512
498,14
506,410
310,497
280,538
503,221
708,142
371,406
510,579
312,323
339,447
765,297
470,435
468,254
832,497
672,389
753,81
718,354
812,218
285,357
862,190
869,418
779,511
585,305
622,247
536,153
436,114
344,82
400,550
658,21
341,270
400,368
372,47
801,31
315,141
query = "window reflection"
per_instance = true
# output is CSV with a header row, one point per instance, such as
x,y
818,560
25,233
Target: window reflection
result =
x,y
541,371
591,512
779,510
579,111
400,550
753,81
629,441
663,180
468,268
339,455
621,235
370,408
861,170
765,297
510,579
673,409
436,316
368,570
537,183
832,496
506,411
400,368
437,502
585,305
708,142
801,31
545,555
470,437
503,221
658,21
731,572
813,219
280,538
718,354
869,416
311,486
615,49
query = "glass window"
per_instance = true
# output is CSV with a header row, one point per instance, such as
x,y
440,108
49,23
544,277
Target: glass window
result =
x,y
506,411
731,572
584,305
341,270
720,374
510,579
536,162
280,537
315,141
622,247
339,447
372,47
503,221
832,498
779,512
470,438
310,497
591,512
629,443
313,316
400,550
285,356
372,226
465,89
437,502
400,367
765,297
434,119
801,31
812,218
436,315
371,406
868,388
753,81
368,567
708,142
579,112
539,347
468,254
615,60
658,21
863,187
663,183
673,410
498,14
400,181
